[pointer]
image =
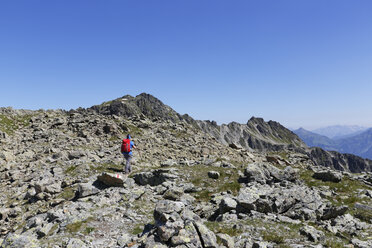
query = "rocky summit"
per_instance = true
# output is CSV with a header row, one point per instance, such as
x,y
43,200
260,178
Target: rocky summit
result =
x,y
194,183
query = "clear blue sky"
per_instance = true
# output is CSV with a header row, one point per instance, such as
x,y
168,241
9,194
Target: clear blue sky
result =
x,y
303,63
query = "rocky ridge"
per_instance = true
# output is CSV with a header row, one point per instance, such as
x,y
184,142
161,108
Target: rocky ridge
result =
x,y
62,185
255,135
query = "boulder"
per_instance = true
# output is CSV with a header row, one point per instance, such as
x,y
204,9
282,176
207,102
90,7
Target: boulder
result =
x,y
86,189
334,211
348,224
266,173
25,240
75,243
75,155
7,156
155,177
111,179
4,213
31,192
246,200
328,176
213,174
312,234
177,226
173,194
227,204
207,236
361,244
255,172
235,146
165,207
226,240
53,188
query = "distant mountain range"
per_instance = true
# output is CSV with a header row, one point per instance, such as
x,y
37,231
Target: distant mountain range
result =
x,y
357,143
339,131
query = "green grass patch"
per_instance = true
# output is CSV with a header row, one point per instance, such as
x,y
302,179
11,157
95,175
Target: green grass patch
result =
x,y
88,230
272,236
134,130
71,170
198,175
79,225
115,138
9,124
137,229
346,190
218,227
74,227
363,215
54,228
68,193
204,195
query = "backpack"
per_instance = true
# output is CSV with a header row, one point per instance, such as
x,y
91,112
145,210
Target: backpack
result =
x,y
125,146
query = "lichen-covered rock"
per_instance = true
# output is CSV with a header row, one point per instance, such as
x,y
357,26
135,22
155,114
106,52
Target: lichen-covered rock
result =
x,y
26,240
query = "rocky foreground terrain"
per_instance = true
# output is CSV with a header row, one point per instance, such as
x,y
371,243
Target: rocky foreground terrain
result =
x,y
194,184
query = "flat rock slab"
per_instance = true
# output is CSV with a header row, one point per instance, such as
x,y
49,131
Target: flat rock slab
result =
x,y
110,179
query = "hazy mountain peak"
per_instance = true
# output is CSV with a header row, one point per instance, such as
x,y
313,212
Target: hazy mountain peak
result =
x,y
339,130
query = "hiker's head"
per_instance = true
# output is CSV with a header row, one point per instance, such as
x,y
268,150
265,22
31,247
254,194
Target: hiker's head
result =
x,y
128,136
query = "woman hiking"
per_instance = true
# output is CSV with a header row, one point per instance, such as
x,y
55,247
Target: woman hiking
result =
x,y
126,150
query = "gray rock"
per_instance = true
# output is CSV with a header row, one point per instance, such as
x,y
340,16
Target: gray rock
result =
x,y
14,212
30,193
76,155
155,177
362,206
7,156
226,240
334,211
4,213
207,236
350,225
75,243
124,239
312,234
255,172
44,230
361,244
86,189
328,176
53,188
36,221
183,237
246,200
25,240
227,204
165,207
169,229
173,194
261,244
213,174
168,163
